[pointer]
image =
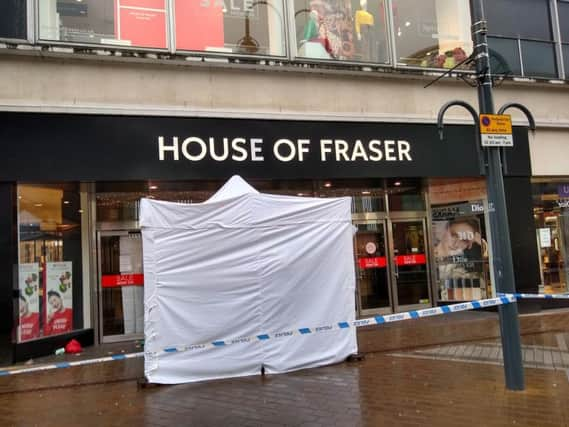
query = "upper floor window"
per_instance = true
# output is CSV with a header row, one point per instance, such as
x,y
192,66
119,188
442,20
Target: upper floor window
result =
x,y
352,30
13,19
521,37
432,33
140,23
250,27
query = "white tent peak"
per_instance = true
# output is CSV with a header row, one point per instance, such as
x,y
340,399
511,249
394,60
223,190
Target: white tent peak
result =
x,y
234,187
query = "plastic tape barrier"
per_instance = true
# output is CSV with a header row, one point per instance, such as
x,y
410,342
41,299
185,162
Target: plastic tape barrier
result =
x,y
61,365
377,320
541,296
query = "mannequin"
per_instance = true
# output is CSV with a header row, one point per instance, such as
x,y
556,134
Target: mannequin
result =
x,y
364,21
363,17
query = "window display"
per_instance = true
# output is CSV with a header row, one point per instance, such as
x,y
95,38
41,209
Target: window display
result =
x,y
551,215
50,285
432,33
348,30
112,22
252,27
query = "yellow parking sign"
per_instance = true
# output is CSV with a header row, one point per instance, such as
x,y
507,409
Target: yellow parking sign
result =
x,y
496,130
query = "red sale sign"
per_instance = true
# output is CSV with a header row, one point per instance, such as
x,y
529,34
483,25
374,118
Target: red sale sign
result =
x,y
415,259
141,22
372,262
117,280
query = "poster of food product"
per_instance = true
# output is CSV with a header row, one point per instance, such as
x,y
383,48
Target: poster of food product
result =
x,y
28,304
59,298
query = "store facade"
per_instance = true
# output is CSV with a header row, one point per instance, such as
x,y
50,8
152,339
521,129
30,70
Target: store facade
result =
x,y
71,186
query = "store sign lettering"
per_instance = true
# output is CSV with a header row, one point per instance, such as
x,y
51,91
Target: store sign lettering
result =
x,y
196,149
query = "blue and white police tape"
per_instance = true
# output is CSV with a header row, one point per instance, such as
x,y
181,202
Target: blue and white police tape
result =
x,y
377,320
63,365
539,296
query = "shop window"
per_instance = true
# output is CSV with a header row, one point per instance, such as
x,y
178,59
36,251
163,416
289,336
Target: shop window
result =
x,y
13,19
551,215
250,27
405,195
459,239
139,23
521,29
432,33
50,267
348,30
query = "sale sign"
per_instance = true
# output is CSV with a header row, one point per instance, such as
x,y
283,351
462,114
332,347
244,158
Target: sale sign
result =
x,y
141,22
59,294
29,308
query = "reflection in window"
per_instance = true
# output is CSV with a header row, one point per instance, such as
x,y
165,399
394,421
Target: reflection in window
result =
x,y
504,56
125,23
252,27
13,19
432,33
538,59
351,30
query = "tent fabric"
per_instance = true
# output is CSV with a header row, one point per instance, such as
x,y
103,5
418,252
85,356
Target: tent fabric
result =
x,y
241,264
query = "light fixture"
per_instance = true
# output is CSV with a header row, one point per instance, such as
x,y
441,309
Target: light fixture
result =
x,y
38,205
80,211
66,202
153,187
366,192
397,183
300,194
19,197
407,24
327,184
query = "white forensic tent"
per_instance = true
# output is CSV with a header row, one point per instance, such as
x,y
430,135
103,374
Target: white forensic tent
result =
x,y
239,265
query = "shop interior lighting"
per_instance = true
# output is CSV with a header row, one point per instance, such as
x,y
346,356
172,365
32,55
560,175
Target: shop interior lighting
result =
x,y
66,202
38,205
327,184
366,192
153,187
397,183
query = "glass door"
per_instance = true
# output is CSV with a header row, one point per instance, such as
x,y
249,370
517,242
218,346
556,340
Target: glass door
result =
x,y
374,295
410,269
121,286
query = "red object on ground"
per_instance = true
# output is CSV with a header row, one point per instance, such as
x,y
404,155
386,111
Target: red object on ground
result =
x,y
73,347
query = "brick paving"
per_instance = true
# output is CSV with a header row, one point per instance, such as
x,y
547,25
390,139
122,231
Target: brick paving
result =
x,y
383,389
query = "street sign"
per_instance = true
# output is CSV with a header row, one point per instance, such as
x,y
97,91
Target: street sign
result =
x,y
496,130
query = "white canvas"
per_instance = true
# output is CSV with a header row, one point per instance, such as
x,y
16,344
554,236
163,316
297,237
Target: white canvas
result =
x,y
241,264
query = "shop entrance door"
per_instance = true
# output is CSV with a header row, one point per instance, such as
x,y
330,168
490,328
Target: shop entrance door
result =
x,y
410,267
121,286
392,266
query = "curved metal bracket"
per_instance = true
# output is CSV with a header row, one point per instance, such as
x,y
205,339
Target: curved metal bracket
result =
x,y
474,114
531,121
523,109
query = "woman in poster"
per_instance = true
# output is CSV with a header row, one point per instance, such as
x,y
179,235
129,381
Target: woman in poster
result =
x,y
29,321
59,319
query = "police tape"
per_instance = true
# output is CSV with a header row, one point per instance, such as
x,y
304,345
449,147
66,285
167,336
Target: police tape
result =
x,y
62,365
539,296
376,320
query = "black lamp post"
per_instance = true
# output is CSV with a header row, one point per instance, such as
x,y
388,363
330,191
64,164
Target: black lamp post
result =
x,y
492,157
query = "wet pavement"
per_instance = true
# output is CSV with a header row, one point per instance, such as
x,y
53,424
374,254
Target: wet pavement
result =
x,y
443,385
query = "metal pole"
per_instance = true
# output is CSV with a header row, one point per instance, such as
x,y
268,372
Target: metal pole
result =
x,y
501,245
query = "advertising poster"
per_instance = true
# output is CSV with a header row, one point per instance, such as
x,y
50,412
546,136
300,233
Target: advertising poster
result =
x,y
59,296
142,22
29,308
461,252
